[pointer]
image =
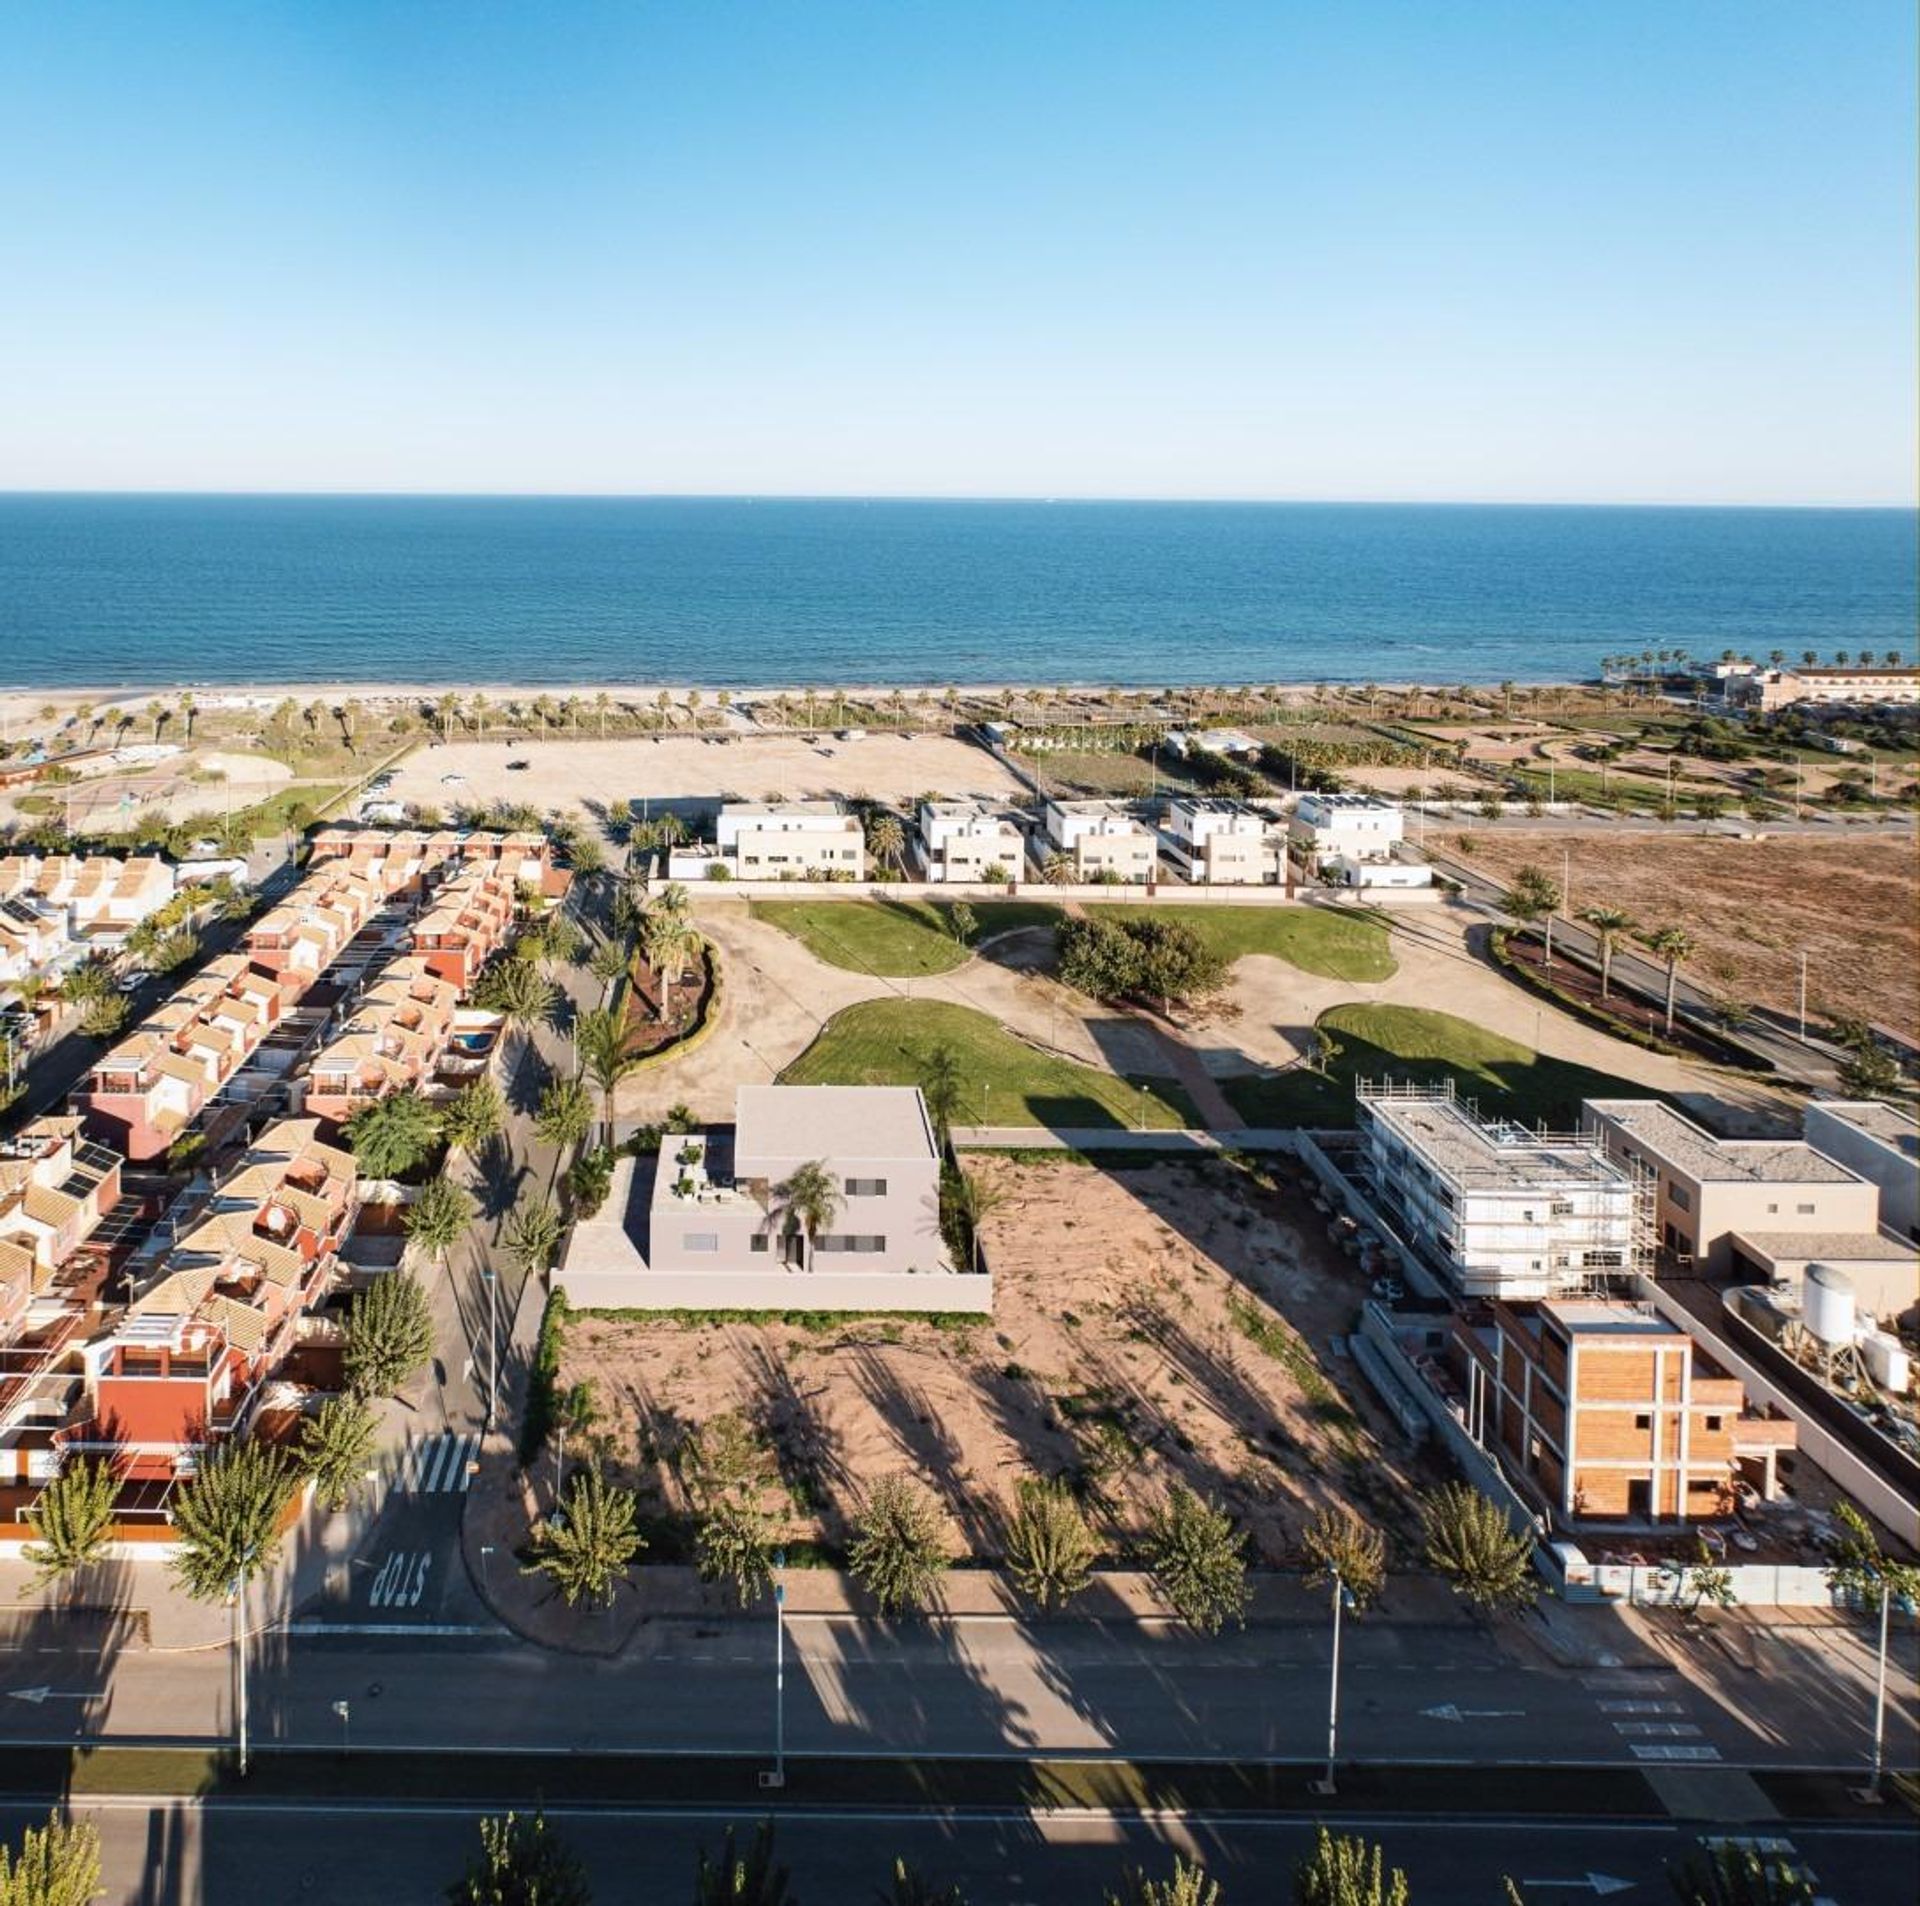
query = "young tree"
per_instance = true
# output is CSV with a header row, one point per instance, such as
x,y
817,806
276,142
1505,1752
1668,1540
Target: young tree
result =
x,y
896,1555
476,1113
1198,1557
723,1466
1186,1885
1470,1541
72,1523
1859,1571
587,1549
976,1200
1869,1072
1673,944
57,1865
806,1204
389,1335
521,1862
940,1087
962,922
439,1217
1345,1870
226,1526
731,1546
1703,1582
103,1017
607,962
752,1878
336,1444
533,1235
1338,1542
1532,897
390,1136
1608,924
565,1116
1729,1875
1050,1549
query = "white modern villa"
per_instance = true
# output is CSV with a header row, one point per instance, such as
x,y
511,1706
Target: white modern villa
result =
x,y
776,840
1220,843
1102,839
969,841
716,1222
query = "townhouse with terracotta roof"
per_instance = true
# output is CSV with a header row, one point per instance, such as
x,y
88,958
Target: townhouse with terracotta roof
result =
x,y
144,1091
55,1188
465,922
406,858
392,1041
197,1349
55,906
300,938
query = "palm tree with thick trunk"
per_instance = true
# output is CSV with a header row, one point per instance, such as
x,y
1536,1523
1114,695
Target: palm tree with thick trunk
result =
x,y
806,1205
1608,924
600,1045
1673,944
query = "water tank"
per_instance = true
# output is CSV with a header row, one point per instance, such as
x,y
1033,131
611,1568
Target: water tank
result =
x,y
1886,1360
1826,1304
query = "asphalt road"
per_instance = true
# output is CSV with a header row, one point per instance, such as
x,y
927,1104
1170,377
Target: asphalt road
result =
x,y
1410,1692
244,1854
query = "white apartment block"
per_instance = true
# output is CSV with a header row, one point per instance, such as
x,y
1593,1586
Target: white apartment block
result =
x,y
1347,827
1102,840
967,841
1220,843
778,840
1504,1211
56,907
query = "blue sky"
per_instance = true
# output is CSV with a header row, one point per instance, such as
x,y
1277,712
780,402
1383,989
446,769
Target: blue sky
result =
x,y
1533,251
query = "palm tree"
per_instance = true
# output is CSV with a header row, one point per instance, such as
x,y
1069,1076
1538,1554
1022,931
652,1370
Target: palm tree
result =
x,y
671,943
896,1555
476,1113
977,1201
1057,870
391,1135
188,708
518,991
1608,924
336,1442
601,703
600,1046
940,1088
532,1235
57,1865
447,709
227,1529
438,1218
565,1116
587,1549
807,1203
887,840
1345,1870
1673,944
72,1523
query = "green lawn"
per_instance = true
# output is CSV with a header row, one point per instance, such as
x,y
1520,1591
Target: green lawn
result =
x,y
1410,1043
1351,946
1003,1082
902,939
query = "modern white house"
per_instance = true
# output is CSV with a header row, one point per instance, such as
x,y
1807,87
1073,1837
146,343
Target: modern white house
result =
x,y
1231,744
1220,843
776,840
1101,839
718,1227
1346,827
1880,1142
1392,875
969,841
1502,1211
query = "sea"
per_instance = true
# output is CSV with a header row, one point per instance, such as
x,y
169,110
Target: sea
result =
x,y
193,591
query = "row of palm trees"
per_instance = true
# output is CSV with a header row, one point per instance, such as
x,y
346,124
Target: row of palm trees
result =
x,y
1533,897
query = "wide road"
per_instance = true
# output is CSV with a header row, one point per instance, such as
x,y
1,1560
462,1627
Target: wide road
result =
x,y
316,1854
1410,1692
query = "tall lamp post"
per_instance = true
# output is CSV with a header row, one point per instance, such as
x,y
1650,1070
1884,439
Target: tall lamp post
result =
x,y
778,1777
1342,1599
1889,1593
493,1344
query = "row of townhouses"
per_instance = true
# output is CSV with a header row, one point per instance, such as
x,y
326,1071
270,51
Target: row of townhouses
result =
x,y
57,909
1352,839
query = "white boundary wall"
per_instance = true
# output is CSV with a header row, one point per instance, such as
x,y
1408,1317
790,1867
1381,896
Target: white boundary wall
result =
x,y
642,1289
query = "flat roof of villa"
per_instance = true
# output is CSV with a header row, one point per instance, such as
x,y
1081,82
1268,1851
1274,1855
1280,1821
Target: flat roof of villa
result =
x,y
1829,1247
1489,1154
747,810
1595,1317
1710,1160
1891,1124
837,1123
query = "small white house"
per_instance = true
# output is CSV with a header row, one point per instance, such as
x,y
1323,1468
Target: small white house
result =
x,y
776,840
1220,843
969,842
1386,874
1352,827
1102,840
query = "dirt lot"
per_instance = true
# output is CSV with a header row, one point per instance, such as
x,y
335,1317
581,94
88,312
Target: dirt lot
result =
x,y
1753,906
1119,1352
746,767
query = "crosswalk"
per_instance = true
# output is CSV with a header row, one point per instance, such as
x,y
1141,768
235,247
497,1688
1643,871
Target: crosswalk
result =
x,y
437,1466
1650,1726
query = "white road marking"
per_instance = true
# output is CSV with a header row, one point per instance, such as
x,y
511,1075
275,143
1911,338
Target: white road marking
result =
x,y
1657,1730
1642,1751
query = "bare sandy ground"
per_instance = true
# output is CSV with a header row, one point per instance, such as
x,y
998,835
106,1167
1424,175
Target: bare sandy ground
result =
x,y
777,996
1111,1350
741,767
107,801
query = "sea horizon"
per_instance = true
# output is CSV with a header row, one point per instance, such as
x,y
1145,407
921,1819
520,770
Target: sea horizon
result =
x,y
122,590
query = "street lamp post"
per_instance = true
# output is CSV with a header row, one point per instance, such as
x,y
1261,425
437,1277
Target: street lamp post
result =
x,y
1342,1598
778,1777
240,1656
493,1345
